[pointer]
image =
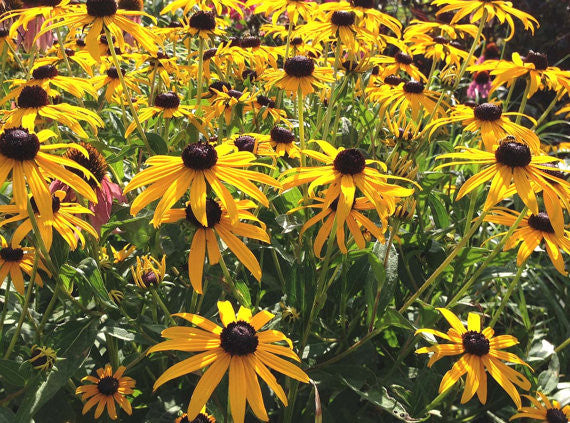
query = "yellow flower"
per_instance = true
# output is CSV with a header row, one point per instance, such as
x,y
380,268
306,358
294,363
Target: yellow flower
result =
x,y
148,271
15,261
42,358
240,346
106,389
481,353
109,80
283,142
550,412
295,9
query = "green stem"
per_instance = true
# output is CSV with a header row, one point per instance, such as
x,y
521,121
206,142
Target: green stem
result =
x,y
327,119
24,309
112,351
46,315
300,109
508,99
200,75
472,49
523,102
546,112
562,346
161,304
506,297
5,308
445,263
287,47
229,280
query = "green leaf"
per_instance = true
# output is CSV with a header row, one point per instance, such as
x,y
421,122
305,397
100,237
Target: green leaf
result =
x,y
156,142
243,291
6,416
91,277
548,379
119,333
12,374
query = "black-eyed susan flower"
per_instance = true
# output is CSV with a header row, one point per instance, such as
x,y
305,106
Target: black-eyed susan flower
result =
x,y
400,62
148,271
436,48
95,16
356,223
344,170
481,353
188,5
110,81
42,358
546,412
254,143
55,57
199,165
33,101
239,346
299,73
502,10
367,15
168,106
226,102
15,261
295,9
204,24
202,417
64,220
219,223
26,156
106,389
440,27
533,229
282,140
160,64
265,106
489,120
512,162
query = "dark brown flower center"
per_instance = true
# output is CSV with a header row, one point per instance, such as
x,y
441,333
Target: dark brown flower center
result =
x,y
250,42
200,418
203,21
44,72
37,358
440,40
33,97
245,143
350,65
95,163
475,343
149,278
349,162
555,415
414,87
239,338
101,8
235,93
55,204
208,54
299,66
134,5
513,154
403,58
113,73
343,18
492,51
219,86
11,254
199,156
264,101
365,4
4,33
445,17
19,144
168,100
249,74
213,214
393,80
541,222
540,60
282,135
481,77
108,385
297,41
488,112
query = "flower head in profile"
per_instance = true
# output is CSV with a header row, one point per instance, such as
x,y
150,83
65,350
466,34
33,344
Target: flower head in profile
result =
x,y
148,272
238,345
481,353
202,417
282,140
15,261
545,411
106,389
42,358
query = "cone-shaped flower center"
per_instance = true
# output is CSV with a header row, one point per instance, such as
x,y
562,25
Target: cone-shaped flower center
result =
x,y
19,144
250,42
414,87
134,5
108,385
44,72
239,338
245,143
33,97
513,154
393,80
540,60
112,72
208,54
249,74
488,112
167,100
203,21
555,415
101,8
265,101
219,86
199,156
541,222
37,358
475,343
200,418
96,163
440,40
235,94
492,51
349,162
403,58
282,135
350,65
482,77
213,214
365,4
149,278
299,66
11,254
343,18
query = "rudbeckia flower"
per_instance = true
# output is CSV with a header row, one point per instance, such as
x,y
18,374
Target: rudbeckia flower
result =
x,y
168,106
400,62
512,161
112,84
239,346
64,221
299,73
148,271
204,24
42,358
188,5
96,15
160,64
202,417
533,229
283,142
55,57
490,121
550,412
441,26
436,48
26,155
170,178
345,170
15,261
219,223
254,143
355,221
106,389
367,14
225,102
501,9
264,106
295,9
33,101
481,354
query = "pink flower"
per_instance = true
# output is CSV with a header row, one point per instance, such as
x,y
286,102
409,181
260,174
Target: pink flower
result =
x,y
480,86
26,37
